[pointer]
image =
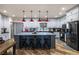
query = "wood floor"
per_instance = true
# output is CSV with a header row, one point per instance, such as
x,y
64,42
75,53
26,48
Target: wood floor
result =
x,y
37,52
60,50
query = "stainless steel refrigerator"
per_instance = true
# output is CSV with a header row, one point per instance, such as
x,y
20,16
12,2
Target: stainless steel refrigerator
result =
x,y
73,35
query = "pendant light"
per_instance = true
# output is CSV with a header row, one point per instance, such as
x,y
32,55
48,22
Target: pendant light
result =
x,y
47,15
39,16
31,16
23,16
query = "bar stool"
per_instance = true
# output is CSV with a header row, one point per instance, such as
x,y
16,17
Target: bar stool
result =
x,y
38,43
47,43
22,42
31,43
26,43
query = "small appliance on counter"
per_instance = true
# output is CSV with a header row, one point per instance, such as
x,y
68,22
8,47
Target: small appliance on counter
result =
x,y
34,32
4,30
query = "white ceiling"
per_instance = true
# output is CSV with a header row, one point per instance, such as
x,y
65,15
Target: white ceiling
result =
x,y
53,9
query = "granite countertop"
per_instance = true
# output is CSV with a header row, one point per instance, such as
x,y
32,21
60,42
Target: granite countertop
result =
x,y
37,33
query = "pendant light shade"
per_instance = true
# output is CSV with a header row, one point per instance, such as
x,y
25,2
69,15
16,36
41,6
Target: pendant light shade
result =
x,y
39,20
23,19
47,19
31,20
31,16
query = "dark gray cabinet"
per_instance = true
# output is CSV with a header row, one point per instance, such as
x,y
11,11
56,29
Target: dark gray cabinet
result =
x,y
35,41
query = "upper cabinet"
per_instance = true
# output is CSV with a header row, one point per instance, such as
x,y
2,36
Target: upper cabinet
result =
x,y
72,11
72,15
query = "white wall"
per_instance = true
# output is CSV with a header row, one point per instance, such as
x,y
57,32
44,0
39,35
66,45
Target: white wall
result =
x,y
9,28
29,24
62,21
5,22
72,15
52,23
0,24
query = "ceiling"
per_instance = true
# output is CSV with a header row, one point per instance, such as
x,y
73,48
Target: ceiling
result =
x,y
53,9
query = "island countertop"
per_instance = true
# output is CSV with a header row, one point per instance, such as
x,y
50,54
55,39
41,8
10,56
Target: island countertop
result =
x,y
37,33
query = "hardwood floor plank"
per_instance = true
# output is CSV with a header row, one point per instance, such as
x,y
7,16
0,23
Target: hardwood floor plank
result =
x,y
60,50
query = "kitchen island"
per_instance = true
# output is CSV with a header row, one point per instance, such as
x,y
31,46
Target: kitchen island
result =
x,y
35,40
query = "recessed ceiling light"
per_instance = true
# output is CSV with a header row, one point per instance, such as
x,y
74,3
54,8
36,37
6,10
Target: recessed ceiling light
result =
x,y
63,8
60,13
4,11
13,15
56,16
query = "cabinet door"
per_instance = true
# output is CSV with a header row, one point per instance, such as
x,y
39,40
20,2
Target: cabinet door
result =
x,y
17,27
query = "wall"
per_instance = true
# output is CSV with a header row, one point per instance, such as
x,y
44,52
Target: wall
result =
x,y
52,23
72,15
0,24
5,23
62,21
